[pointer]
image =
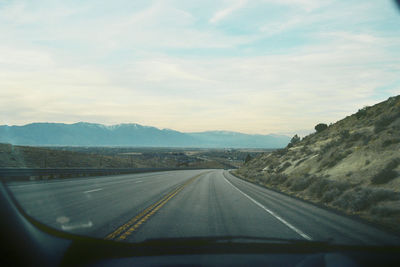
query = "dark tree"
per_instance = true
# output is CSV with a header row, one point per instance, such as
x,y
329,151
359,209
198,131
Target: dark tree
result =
x,y
248,158
320,127
295,139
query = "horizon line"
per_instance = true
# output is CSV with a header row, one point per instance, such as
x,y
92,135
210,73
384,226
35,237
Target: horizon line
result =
x,y
143,125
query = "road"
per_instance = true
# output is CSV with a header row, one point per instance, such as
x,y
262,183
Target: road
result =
x,y
189,203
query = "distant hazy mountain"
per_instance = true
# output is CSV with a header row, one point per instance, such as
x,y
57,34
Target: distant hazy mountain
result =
x,y
91,134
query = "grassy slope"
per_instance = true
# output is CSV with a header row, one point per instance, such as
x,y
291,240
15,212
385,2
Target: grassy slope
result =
x,y
352,166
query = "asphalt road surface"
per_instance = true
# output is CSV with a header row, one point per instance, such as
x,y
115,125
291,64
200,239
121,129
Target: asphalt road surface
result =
x,y
189,203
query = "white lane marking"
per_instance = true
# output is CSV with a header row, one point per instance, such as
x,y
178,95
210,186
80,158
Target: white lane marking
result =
x,y
76,226
93,190
271,212
138,182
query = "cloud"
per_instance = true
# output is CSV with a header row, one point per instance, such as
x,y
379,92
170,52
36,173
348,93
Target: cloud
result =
x,y
307,5
223,13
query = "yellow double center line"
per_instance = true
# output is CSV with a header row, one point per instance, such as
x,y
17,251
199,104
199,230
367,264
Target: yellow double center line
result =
x,y
122,232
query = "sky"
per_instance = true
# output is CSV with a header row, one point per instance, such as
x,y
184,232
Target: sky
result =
x,y
260,66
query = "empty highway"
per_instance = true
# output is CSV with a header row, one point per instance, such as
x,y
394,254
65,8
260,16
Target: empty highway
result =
x,y
189,203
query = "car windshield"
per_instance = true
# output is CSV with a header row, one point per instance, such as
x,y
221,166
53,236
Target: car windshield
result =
x,y
257,121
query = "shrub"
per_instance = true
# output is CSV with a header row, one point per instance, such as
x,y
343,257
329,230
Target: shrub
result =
x,y
386,210
383,176
289,183
304,149
301,183
280,152
344,134
317,188
386,174
295,139
247,159
361,113
320,127
385,121
330,195
286,165
393,164
276,179
356,136
328,146
334,158
362,198
258,177
390,142
327,190
366,139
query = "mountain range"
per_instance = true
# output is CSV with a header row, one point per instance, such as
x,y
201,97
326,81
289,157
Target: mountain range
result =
x,y
132,134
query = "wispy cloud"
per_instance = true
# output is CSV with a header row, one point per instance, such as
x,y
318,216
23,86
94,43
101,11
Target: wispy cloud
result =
x,y
221,14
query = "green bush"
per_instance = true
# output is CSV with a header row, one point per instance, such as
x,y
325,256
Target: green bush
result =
x,y
383,176
334,158
276,179
258,177
280,152
387,173
366,139
317,188
295,139
361,198
361,113
385,121
344,134
320,127
301,183
330,195
393,164
355,137
247,159
327,147
390,142
327,190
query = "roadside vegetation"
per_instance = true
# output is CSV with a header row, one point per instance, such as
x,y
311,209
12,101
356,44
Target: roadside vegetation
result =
x,y
12,156
352,165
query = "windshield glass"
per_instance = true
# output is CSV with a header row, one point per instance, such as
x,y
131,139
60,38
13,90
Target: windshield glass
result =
x,y
137,120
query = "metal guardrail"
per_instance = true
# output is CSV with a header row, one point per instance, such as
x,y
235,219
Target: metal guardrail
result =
x,y
24,174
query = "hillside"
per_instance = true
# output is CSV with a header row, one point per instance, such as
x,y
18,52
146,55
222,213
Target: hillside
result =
x,y
352,166
90,134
